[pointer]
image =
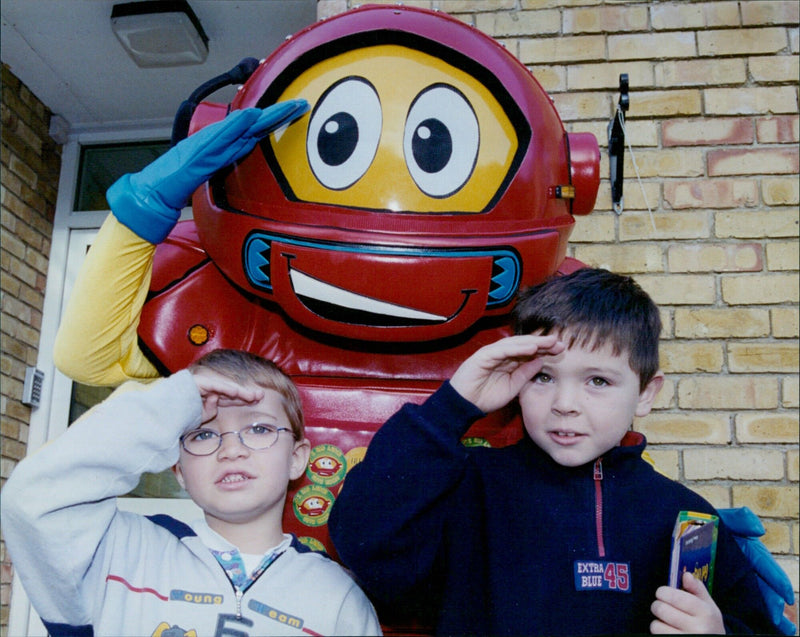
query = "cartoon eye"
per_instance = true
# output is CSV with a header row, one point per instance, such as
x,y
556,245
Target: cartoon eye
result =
x,y
441,140
343,133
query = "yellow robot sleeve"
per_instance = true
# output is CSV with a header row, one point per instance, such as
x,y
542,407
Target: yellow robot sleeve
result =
x,y
96,343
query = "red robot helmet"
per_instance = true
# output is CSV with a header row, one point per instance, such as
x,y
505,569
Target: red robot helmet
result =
x,y
430,181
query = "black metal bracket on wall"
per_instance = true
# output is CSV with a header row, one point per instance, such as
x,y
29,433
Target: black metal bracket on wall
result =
x,y
616,145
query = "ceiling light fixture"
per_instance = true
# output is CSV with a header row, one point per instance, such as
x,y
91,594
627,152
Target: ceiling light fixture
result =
x,y
158,33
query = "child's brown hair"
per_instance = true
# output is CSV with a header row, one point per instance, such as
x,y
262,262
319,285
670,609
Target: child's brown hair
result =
x,y
593,307
249,369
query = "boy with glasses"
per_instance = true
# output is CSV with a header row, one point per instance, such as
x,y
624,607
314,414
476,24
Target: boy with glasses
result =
x,y
232,428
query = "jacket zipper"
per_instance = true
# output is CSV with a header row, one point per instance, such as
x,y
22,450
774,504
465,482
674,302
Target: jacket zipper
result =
x,y
239,594
598,505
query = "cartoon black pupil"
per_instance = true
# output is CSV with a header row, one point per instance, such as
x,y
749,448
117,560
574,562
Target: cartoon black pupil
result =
x,y
337,139
432,145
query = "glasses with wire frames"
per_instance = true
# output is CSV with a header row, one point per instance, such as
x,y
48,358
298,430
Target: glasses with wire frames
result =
x,y
258,436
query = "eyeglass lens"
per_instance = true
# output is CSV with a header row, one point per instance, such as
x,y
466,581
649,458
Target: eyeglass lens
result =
x,y
258,436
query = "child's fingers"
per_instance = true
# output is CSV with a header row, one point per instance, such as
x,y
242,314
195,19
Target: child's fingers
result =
x,y
694,586
691,610
667,611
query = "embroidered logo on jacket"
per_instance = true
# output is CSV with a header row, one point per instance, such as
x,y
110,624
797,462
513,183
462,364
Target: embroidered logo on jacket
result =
x,y
592,575
195,598
273,613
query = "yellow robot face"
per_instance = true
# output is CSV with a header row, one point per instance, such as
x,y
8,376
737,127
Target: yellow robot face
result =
x,y
396,129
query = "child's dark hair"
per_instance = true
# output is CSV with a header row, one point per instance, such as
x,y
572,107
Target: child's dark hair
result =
x,y
594,307
248,369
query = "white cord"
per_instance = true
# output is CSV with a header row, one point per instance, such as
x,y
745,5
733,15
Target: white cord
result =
x,y
618,209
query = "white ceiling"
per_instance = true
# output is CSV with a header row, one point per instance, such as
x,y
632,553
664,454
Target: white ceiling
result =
x,y
65,52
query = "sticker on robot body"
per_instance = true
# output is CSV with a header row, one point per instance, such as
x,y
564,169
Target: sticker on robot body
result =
x,y
595,575
313,543
312,505
327,465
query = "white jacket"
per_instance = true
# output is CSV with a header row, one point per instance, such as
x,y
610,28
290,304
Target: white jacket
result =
x,y
91,569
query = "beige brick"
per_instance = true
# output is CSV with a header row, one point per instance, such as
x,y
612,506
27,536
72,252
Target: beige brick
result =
x,y
669,103
552,78
605,19
678,357
665,461
679,289
668,226
756,224
721,323
778,537
767,12
715,71
740,42
719,496
684,15
779,129
666,397
783,255
625,259
785,322
767,427
763,357
774,68
753,162
644,46
734,464
330,8
756,289
685,428
707,132
793,465
667,163
539,4
579,106
517,23
637,196
727,392
667,328
768,501
750,101
595,227
715,257
562,50
780,191
711,193
27,174
456,6
790,388
583,77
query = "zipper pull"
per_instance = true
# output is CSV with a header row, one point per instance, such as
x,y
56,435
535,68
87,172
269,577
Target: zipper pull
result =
x,y
598,469
239,595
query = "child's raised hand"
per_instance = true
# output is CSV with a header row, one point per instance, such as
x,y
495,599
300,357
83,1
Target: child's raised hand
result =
x,y
219,391
496,373
690,610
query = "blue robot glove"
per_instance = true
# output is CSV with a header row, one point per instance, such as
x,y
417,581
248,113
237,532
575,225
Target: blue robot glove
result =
x,y
149,202
774,583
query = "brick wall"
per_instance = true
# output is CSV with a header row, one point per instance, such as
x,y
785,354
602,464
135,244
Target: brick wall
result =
x,y
713,122
30,163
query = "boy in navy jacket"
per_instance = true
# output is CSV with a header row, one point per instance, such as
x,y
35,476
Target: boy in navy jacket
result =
x,y
567,531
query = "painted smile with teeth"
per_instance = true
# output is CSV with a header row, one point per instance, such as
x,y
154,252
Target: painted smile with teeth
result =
x,y
313,289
